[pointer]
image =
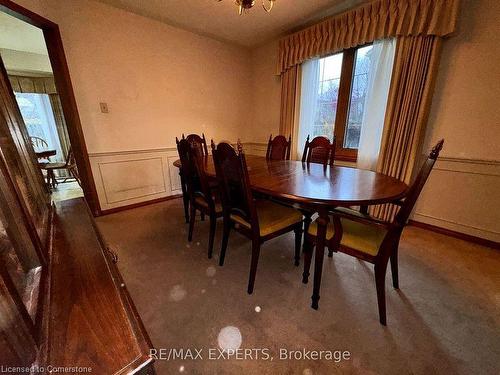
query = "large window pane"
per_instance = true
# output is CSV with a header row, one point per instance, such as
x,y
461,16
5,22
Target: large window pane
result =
x,y
329,83
39,120
359,90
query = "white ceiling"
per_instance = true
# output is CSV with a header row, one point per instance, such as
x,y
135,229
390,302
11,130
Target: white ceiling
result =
x,y
21,36
220,20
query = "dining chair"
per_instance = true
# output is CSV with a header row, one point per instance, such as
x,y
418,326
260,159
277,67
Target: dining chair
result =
x,y
201,195
201,144
198,142
40,144
278,148
258,219
319,150
370,239
69,165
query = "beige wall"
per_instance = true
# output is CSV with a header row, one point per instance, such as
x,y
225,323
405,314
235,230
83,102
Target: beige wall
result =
x,y
25,62
158,80
266,94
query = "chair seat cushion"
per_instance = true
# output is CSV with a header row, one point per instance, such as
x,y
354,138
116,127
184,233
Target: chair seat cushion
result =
x,y
358,236
202,202
53,165
272,217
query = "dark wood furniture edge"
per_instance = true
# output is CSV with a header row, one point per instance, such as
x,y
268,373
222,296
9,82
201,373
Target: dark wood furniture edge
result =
x,y
455,234
128,305
141,364
140,204
120,284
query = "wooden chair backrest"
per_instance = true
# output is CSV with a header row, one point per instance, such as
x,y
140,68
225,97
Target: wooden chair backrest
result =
x,y
417,185
203,182
232,175
188,171
38,142
198,142
319,150
278,148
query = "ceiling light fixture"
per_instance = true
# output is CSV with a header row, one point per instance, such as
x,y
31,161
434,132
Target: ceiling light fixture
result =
x,y
244,5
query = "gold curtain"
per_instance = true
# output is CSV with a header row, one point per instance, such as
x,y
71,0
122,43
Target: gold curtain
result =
x,y
378,19
62,130
289,90
34,85
412,85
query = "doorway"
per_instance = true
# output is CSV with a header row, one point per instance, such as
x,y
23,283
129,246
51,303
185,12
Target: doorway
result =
x,y
26,60
35,66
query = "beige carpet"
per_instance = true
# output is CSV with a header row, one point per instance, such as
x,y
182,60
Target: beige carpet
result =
x,y
445,319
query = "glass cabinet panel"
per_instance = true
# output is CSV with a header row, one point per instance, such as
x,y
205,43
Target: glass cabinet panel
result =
x,y
18,256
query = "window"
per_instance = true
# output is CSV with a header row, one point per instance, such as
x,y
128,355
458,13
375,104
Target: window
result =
x,y
39,119
334,90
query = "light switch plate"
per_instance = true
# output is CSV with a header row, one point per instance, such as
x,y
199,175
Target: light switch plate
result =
x,y
104,107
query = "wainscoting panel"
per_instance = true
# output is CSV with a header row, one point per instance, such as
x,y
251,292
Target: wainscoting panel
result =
x,y
175,179
131,177
463,195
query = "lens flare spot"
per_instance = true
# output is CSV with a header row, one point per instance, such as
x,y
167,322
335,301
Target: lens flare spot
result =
x,y
177,293
229,338
211,271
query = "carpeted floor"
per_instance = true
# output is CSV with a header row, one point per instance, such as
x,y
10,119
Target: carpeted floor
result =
x,y
444,319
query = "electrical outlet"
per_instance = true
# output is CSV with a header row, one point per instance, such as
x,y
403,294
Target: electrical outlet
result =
x,y
104,107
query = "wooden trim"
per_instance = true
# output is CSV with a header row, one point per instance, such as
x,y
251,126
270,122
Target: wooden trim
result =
x,y
455,234
65,90
140,204
343,100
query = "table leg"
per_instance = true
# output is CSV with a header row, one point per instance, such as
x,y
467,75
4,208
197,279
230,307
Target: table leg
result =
x,y
185,198
322,222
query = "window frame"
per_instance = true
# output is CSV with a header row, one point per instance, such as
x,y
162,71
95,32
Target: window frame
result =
x,y
344,103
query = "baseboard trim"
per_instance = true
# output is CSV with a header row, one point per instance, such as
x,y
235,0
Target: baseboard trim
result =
x,y
455,234
140,204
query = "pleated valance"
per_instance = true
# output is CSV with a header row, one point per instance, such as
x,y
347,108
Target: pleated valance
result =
x,y
33,85
378,19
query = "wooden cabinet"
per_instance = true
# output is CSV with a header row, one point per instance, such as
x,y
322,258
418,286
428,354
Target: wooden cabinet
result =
x,y
62,299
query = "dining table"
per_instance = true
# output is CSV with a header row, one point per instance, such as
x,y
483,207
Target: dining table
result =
x,y
316,188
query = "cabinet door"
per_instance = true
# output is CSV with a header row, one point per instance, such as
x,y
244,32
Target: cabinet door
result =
x,y
25,213
22,165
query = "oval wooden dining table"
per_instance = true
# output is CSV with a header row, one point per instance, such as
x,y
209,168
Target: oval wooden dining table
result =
x,y
316,188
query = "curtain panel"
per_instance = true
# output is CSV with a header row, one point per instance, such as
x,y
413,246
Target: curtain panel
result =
x,y
62,130
290,89
379,19
33,85
408,105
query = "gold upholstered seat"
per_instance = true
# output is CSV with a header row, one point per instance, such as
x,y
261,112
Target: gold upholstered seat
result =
x,y
355,235
272,217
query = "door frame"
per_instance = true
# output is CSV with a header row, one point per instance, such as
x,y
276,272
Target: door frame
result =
x,y
64,87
